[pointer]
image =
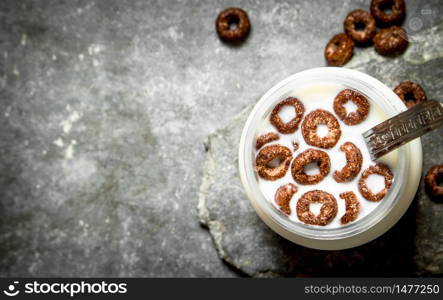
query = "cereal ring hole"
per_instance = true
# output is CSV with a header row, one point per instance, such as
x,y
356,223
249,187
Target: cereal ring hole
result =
x,y
287,113
409,97
275,162
350,107
312,168
340,161
360,26
376,183
233,23
439,180
386,7
315,207
322,130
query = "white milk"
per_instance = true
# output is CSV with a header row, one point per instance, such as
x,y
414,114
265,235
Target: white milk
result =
x,y
322,96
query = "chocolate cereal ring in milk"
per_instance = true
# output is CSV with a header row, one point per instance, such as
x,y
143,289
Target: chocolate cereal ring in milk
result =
x,y
360,26
352,207
273,161
432,179
328,210
309,129
391,41
283,197
354,160
380,169
265,139
395,16
410,93
292,125
339,50
307,157
352,118
231,16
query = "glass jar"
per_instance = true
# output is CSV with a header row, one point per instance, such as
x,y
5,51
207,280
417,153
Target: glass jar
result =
x,y
407,170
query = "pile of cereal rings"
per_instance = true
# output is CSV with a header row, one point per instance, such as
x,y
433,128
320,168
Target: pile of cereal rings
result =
x,y
360,28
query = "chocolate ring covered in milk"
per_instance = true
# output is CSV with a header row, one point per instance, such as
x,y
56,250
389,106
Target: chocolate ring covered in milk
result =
x,y
432,179
283,197
352,207
352,118
328,210
265,139
410,93
354,160
231,16
395,16
292,125
380,169
307,157
309,129
339,50
267,156
360,26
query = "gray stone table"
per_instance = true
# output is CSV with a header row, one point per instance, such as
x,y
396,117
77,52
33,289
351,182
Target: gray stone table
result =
x,y
105,107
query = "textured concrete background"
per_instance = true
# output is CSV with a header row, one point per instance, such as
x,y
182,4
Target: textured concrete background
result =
x,y
104,109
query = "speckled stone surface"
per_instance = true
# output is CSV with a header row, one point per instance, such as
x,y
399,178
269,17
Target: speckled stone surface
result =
x,y
105,108
413,247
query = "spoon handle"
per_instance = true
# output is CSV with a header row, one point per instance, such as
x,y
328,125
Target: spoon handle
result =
x,y
404,127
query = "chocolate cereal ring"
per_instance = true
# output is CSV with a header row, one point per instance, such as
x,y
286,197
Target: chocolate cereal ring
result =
x,y
395,16
379,169
352,118
352,207
226,19
265,139
339,50
267,156
307,157
328,210
283,196
410,93
309,129
360,26
432,180
291,126
354,160
391,41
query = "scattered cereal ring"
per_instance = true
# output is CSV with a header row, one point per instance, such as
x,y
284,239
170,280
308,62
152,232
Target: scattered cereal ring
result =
x,y
295,145
339,50
292,125
309,129
266,157
379,169
360,26
229,17
328,210
265,139
354,160
432,179
397,14
352,118
352,207
391,41
410,93
306,157
283,196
